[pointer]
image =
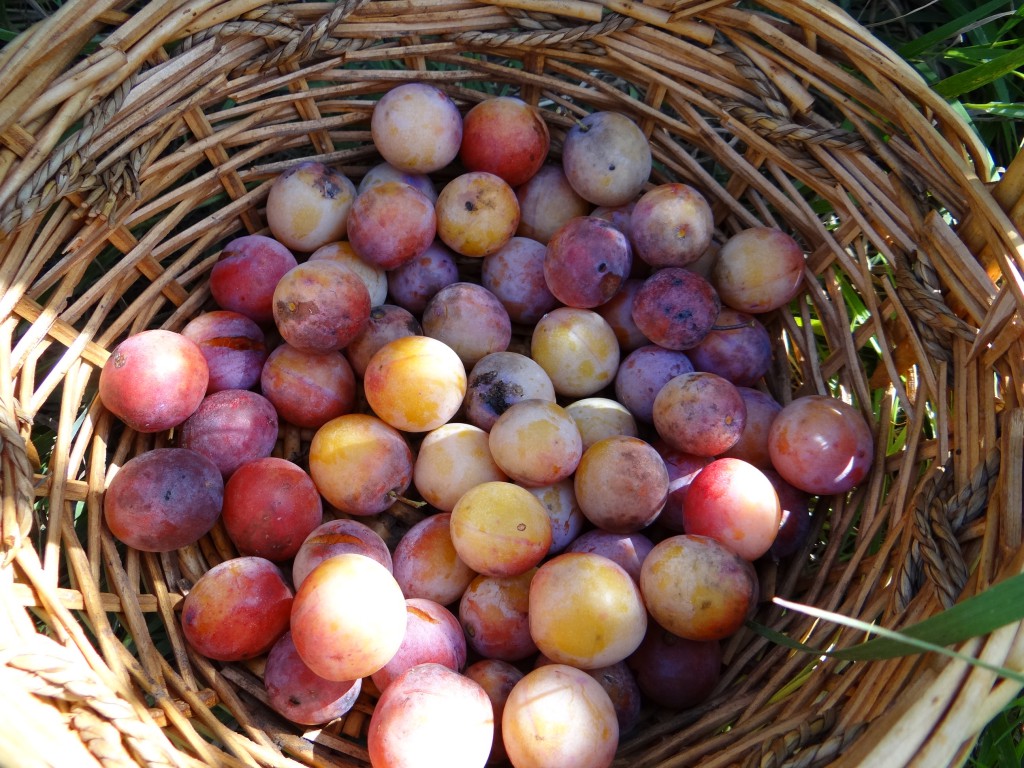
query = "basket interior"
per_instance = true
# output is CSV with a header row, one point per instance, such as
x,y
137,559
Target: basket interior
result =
x,y
787,115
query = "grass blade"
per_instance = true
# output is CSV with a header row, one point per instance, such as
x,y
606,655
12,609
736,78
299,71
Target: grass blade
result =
x,y
998,606
1012,110
927,41
981,75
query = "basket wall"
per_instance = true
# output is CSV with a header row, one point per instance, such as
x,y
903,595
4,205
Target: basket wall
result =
x,y
137,138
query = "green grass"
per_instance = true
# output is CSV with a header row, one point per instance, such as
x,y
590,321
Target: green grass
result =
x,y
1000,744
971,54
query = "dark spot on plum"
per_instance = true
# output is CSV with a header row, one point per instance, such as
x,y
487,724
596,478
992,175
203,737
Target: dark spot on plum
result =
x,y
611,167
485,378
521,527
502,395
684,315
119,360
168,495
286,308
602,267
469,206
294,701
327,186
609,285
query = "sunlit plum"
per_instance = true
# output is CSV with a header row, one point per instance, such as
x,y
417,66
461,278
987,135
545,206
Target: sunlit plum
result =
x,y
247,272
383,172
308,205
606,158
297,693
477,213
675,308
427,565
698,588
699,413
308,389
360,464
546,202
621,484
431,715
164,499
578,350
601,417
515,274
795,528
734,503
620,685
671,225
643,373
536,442
416,128
413,283
415,383
567,520
821,445
237,610
629,550
500,380
618,313
320,306
497,678
452,459
586,262
270,506
391,224
234,347
682,468
500,529
154,380
387,322
585,610
494,612
674,672
348,618
374,278
752,446
558,715
505,136
737,348
469,319
231,427
432,636
758,270
337,537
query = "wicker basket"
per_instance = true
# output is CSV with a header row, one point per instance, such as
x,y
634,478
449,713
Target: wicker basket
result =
x,y
136,138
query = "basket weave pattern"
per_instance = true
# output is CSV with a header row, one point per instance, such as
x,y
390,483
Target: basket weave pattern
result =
x,y
136,138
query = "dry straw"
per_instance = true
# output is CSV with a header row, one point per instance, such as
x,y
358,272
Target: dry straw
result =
x,y
135,138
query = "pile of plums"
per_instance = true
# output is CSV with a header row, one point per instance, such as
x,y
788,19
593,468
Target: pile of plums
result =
x,y
556,362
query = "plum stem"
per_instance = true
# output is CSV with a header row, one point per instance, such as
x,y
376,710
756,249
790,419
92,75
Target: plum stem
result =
x,y
396,496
